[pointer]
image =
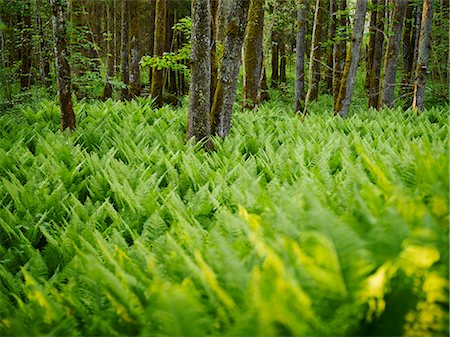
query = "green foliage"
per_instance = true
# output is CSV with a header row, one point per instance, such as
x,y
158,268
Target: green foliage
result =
x,y
173,60
321,227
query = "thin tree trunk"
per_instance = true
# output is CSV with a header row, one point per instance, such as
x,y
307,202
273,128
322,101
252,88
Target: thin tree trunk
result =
x,y
107,90
351,62
392,51
199,103
253,52
330,51
282,47
225,94
340,49
275,51
25,67
214,8
314,57
62,65
135,76
156,90
374,85
124,53
408,52
263,87
300,58
422,57
43,46
371,46
151,22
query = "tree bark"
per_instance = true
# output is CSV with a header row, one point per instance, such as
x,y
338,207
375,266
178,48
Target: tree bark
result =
x,y
408,52
314,56
340,49
371,46
422,57
374,84
199,103
275,51
62,65
135,76
151,22
156,90
225,94
43,47
253,52
351,61
300,58
26,49
214,9
124,52
282,48
392,53
330,51
107,90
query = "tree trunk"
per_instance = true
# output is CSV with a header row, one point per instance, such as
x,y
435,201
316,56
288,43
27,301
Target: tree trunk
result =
x,y
107,90
43,46
263,87
253,52
275,51
156,90
26,32
314,56
282,48
151,22
340,49
225,94
330,51
408,53
135,76
374,85
199,102
351,61
422,57
214,8
117,33
391,54
371,46
124,53
62,65
300,58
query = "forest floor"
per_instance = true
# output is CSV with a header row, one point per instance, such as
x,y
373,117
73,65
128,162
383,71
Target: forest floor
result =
x,y
317,227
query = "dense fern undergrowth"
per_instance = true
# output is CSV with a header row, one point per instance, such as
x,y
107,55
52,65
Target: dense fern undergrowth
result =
x,y
321,227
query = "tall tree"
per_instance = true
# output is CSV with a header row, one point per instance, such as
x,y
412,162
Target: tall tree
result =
x,y
62,64
314,56
374,84
333,7
423,56
351,61
107,90
135,76
151,23
371,45
253,52
214,9
26,53
340,47
222,107
125,50
275,59
300,58
199,103
392,51
156,89
44,63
